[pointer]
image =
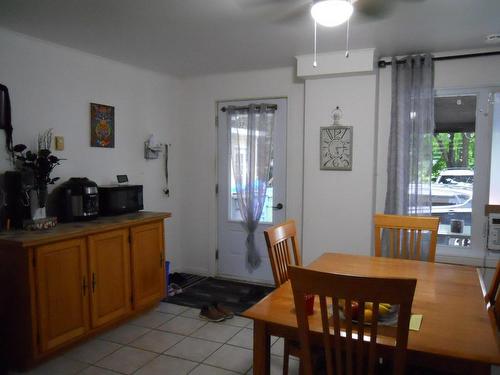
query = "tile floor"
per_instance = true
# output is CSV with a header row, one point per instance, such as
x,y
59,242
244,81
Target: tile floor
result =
x,y
170,340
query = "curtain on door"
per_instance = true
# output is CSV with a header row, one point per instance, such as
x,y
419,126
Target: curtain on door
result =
x,y
410,142
251,133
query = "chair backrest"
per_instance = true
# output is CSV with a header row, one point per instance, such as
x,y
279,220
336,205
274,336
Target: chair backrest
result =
x,y
405,235
281,239
343,340
491,298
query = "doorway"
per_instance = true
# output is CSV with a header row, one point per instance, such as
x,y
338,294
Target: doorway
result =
x,y
232,250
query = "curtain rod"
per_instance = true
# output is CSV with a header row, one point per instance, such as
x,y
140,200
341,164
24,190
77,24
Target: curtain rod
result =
x,y
383,63
271,106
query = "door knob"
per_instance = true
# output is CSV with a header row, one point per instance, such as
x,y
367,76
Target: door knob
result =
x,y
279,206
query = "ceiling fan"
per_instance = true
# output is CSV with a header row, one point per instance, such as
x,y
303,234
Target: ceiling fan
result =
x,y
327,13
291,10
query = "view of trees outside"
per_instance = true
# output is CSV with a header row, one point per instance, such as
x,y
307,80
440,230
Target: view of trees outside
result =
x,y
452,150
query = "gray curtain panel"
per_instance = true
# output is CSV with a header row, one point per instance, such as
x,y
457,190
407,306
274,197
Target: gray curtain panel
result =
x,y
251,134
409,167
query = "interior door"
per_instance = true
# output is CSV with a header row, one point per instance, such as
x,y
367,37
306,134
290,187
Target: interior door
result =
x,y
62,292
232,251
109,259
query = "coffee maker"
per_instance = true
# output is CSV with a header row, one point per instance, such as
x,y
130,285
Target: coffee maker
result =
x,y
18,185
78,200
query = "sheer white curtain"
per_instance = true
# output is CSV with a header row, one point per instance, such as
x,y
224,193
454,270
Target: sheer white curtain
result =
x,y
409,167
251,134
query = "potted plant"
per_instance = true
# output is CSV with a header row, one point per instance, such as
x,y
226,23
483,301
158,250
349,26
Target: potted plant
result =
x,y
41,164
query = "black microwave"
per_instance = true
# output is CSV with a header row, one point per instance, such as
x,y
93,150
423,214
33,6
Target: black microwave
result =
x,y
120,199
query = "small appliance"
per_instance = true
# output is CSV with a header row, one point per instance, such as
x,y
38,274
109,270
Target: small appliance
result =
x,y
494,231
120,199
78,199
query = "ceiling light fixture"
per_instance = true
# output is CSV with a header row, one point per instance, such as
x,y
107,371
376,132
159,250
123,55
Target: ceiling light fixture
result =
x,y
331,12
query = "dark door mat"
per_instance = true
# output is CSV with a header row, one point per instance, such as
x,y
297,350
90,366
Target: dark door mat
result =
x,y
237,296
185,280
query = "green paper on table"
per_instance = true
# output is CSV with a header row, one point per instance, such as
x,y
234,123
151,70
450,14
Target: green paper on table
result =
x,y
415,322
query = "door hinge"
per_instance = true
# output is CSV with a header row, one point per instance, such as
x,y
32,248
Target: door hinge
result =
x,y
129,239
131,299
33,260
216,121
217,254
216,189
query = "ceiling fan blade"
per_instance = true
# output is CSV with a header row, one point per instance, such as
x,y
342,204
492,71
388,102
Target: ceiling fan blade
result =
x,y
295,14
374,8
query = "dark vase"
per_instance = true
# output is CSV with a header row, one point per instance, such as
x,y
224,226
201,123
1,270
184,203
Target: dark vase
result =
x,y
42,195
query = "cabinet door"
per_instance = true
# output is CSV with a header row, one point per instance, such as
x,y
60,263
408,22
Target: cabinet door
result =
x,y
62,292
109,275
148,274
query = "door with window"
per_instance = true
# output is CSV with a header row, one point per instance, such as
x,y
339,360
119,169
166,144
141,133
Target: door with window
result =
x,y
232,249
461,147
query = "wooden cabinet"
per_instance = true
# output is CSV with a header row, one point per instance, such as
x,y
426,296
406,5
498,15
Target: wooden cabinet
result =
x,y
109,275
63,285
148,266
62,291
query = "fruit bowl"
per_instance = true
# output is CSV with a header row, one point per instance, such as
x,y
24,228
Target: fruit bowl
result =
x,y
388,314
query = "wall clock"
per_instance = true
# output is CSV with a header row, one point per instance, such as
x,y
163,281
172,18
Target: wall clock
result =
x,y
336,148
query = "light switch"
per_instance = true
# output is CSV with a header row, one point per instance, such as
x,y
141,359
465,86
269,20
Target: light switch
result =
x,y
59,143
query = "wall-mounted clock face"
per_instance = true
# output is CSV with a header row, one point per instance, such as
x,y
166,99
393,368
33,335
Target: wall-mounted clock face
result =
x,y
336,148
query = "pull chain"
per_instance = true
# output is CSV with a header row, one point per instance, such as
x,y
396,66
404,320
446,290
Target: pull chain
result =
x,y
347,40
315,62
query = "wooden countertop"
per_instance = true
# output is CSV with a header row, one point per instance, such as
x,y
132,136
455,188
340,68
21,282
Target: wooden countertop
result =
x,y
24,238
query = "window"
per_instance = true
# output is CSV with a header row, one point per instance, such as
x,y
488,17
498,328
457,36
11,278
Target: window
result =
x,y
453,154
461,165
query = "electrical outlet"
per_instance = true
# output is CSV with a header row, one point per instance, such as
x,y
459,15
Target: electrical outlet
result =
x,y
59,143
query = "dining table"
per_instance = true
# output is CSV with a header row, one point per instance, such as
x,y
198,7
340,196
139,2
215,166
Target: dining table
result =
x,y
455,334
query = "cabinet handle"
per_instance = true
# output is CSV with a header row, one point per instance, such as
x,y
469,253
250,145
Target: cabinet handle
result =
x,y
84,285
93,282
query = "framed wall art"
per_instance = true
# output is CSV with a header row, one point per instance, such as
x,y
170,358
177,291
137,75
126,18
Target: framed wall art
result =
x,y
102,125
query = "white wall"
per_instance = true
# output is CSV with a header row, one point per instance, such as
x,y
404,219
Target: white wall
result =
x,y
199,215
338,205
51,87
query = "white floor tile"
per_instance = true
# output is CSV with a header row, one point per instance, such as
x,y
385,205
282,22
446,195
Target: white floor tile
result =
x,y
191,313
250,324
126,360
210,370
278,346
152,319
92,370
170,308
57,366
163,365
193,349
238,321
231,358
216,332
156,341
243,338
182,325
276,366
92,351
124,334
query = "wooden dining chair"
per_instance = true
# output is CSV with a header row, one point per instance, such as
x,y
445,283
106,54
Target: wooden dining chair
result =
x,y
281,242
492,300
350,347
405,235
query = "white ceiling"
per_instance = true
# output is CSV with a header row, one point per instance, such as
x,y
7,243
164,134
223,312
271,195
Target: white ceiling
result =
x,y
193,37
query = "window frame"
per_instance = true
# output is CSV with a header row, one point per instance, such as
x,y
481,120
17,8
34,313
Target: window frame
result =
x,y
483,129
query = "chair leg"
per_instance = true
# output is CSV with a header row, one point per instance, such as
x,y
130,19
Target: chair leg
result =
x,y
286,355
